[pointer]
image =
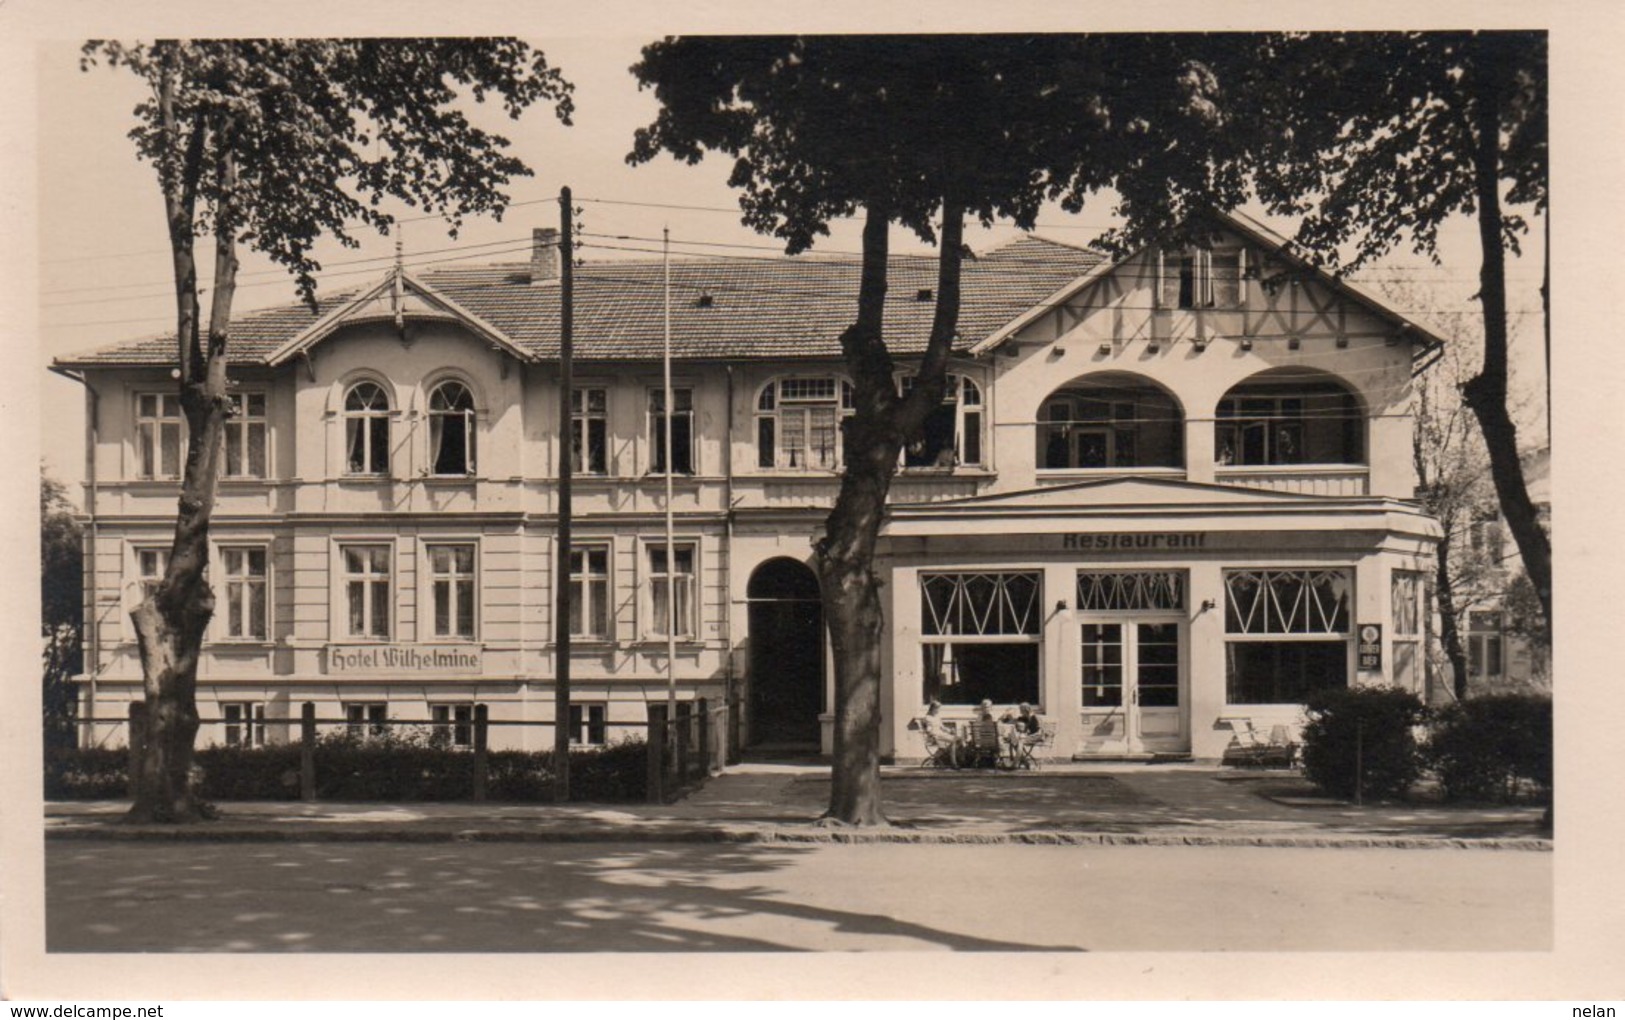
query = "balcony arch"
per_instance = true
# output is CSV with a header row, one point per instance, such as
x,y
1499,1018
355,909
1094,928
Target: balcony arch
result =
x,y
1289,416
1110,420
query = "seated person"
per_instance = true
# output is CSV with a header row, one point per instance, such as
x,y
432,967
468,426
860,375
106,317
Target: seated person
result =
x,y
940,732
1022,728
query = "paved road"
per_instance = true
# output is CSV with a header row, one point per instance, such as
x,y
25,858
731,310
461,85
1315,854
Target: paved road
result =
x,y
334,897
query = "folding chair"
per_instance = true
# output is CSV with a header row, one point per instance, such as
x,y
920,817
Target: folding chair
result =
x,y
1029,746
984,748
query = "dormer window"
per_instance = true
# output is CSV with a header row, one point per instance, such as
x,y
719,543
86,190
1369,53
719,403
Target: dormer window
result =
x,y
1201,278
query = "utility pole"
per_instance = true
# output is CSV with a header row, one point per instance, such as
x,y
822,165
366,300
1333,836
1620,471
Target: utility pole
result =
x,y
561,601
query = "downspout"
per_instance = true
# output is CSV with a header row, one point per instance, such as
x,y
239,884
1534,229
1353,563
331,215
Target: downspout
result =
x,y
92,624
729,678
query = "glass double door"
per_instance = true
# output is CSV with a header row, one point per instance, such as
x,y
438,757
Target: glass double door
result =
x,y
1132,672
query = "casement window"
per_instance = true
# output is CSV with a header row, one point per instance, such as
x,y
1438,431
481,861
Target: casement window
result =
x,y
246,608
1287,634
451,429
671,587
798,423
366,719
453,724
682,430
160,435
1486,539
589,591
366,430
151,563
587,726
245,436
367,595
1264,424
451,589
981,635
1486,645
953,430
589,431
244,723
1101,425
1200,278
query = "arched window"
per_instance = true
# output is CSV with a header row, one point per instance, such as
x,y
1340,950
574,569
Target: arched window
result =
x,y
1110,420
953,431
1286,418
798,423
366,430
451,429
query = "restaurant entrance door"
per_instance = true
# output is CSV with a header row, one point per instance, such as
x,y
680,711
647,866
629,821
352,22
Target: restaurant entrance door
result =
x,y
1133,677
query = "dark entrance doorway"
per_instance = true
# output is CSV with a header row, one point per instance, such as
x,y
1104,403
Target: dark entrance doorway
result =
x,y
786,653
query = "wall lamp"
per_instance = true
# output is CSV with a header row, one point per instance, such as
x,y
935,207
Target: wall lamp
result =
x,y
1208,604
1061,606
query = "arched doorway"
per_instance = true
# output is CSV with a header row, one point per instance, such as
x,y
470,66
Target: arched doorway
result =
x,y
786,653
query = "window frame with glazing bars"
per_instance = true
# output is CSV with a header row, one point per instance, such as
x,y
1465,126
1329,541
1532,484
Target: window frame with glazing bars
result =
x,y
460,586
452,409
153,432
683,440
248,432
240,583
589,430
368,411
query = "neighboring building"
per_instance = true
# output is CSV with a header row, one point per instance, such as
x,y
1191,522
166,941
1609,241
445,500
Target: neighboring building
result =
x,y
1162,495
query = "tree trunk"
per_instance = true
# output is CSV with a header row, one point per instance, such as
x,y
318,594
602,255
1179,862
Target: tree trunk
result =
x,y
1449,622
1486,393
873,441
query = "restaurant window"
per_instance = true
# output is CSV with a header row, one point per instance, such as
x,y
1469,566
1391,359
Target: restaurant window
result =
x,y
246,605
981,635
589,591
451,429
1286,634
589,431
367,597
682,431
451,580
671,585
244,723
1125,590
160,432
1486,645
1264,423
1200,278
798,423
245,435
366,719
587,724
1111,420
453,725
366,430
1406,595
952,434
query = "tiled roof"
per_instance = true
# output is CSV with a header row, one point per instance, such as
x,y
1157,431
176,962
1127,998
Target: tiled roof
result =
x,y
758,308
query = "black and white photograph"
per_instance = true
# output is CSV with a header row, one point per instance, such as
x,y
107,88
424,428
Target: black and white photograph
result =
x,y
740,504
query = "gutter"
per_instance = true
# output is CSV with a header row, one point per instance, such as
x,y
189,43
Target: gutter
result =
x,y
92,622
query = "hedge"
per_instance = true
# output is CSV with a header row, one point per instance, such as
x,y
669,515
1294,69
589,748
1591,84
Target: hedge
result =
x,y
1362,739
1492,748
398,767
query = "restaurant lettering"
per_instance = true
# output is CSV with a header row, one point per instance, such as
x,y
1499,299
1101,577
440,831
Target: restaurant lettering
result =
x,y
402,659
1160,540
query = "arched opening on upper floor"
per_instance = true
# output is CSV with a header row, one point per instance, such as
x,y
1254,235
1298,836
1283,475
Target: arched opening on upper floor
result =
x,y
1289,415
1110,420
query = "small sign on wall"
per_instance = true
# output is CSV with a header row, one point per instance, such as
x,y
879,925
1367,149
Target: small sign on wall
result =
x,y
1370,649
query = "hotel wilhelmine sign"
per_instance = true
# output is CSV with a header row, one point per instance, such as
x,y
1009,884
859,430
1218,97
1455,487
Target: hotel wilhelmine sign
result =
x,y
403,660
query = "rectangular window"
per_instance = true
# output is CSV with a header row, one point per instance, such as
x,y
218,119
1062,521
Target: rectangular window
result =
x,y
589,591
1487,540
367,590
1406,595
682,431
671,590
587,726
980,636
159,431
1485,645
1201,278
245,723
1288,634
952,434
245,570
151,563
451,578
453,724
245,436
366,719
589,431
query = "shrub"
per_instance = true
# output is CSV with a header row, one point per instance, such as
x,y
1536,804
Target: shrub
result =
x,y
1362,738
91,773
1490,748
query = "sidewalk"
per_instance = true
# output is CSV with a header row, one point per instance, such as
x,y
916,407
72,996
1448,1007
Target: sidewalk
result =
x,y
763,803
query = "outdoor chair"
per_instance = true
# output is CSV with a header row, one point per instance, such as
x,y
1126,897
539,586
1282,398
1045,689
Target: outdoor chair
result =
x,y
1029,746
1252,750
983,749
937,754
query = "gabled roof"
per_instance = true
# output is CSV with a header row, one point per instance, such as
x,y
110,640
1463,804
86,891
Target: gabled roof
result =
x,y
767,308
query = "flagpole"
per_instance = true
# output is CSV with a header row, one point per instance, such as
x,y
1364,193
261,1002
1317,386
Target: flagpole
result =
x,y
671,549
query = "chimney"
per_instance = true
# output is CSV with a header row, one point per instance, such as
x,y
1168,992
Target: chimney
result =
x,y
544,255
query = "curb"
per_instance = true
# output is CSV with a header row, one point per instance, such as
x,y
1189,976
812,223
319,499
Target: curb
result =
x,y
777,835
